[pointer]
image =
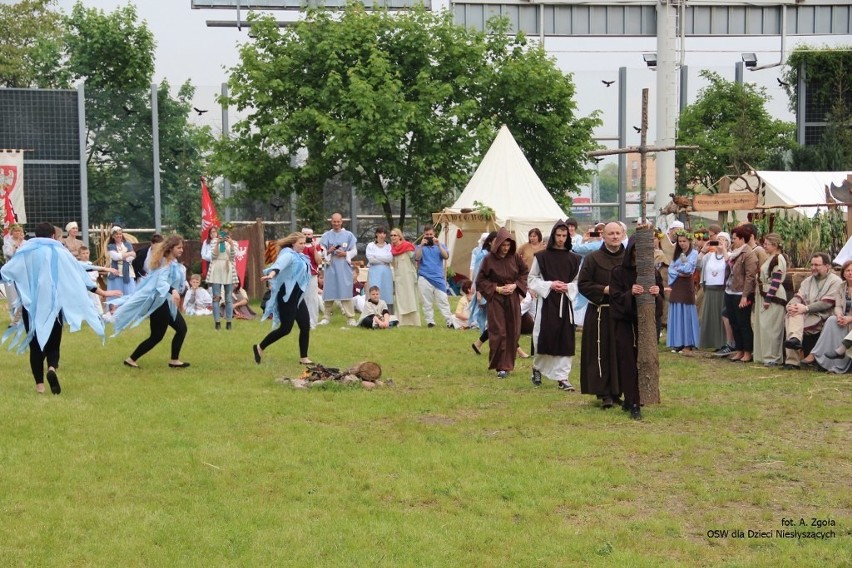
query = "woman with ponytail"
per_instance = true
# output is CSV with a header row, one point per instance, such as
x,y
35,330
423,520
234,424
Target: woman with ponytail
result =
x,y
289,276
157,298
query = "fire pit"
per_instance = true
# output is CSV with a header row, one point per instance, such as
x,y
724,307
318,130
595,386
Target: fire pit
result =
x,y
365,374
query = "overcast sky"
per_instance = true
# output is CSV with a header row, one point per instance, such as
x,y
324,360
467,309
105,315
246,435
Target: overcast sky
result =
x,y
188,49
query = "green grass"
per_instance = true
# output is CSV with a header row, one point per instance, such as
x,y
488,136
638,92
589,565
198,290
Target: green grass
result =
x,y
220,465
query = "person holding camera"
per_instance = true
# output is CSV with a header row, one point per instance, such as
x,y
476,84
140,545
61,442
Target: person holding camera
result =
x,y
314,253
340,246
223,269
432,278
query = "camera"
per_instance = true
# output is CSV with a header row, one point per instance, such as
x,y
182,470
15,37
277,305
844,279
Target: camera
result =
x,y
713,243
308,240
594,233
222,234
430,241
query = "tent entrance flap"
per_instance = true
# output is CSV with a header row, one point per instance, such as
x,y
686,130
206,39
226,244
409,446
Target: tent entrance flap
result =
x,y
471,225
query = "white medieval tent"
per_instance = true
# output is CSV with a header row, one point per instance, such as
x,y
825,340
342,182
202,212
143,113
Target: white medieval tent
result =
x,y
506,183
796,193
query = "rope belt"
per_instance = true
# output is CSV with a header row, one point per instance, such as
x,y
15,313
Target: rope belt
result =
x,y
600,369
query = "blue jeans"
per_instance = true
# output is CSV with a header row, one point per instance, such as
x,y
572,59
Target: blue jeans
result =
x,y
217,299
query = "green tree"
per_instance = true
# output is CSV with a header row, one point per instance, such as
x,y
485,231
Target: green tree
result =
x,y
730,124
608,183
401,106
183,150
829,77
526,91
114,54
31,33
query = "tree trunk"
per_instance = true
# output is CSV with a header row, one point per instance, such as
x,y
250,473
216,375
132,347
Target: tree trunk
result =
x,y
648,361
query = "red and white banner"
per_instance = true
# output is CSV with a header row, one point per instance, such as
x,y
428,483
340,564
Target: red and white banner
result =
x,y
241,260
209,218
12,187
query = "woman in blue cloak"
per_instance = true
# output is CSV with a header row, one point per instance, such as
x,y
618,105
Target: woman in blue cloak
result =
x,y
52,288
289,275
157,298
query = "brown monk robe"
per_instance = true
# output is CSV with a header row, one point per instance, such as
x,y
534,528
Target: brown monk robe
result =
x,y
599,356
502,281
623,292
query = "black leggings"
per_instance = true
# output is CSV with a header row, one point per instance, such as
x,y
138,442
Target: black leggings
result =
x,y
740,319
50,351
161,320
291,312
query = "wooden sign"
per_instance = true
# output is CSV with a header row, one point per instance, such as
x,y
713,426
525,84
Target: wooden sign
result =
x,y
724,201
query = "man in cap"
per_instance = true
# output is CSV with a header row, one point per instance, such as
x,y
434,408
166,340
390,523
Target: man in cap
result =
x,y
71,242
668,244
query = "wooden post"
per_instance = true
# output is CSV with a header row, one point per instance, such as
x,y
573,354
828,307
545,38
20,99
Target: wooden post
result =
x,y
648,360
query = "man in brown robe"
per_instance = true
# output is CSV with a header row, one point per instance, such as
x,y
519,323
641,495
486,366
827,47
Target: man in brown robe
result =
x,y
598,356
502,281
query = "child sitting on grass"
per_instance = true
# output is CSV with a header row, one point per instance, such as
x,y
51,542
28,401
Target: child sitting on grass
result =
x,y
375,314
198,301
461,317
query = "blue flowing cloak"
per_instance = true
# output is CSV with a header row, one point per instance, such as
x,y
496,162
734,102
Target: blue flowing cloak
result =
x,y
477,307
151,293
49,280
292,268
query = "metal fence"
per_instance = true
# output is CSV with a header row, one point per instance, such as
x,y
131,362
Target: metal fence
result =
x,y
47,126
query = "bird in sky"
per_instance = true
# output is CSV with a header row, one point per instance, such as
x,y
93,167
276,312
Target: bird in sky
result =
x,y
597,160
782,83
199,111
637,129
607,83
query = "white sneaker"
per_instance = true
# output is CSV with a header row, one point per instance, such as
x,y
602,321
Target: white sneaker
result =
x,y
352,322
323,321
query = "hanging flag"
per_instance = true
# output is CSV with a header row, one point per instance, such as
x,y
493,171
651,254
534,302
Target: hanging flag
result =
x,y
241,260
209,218
12,188
9,213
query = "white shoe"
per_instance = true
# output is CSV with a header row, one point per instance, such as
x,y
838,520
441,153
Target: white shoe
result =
x,y
352,322
323,321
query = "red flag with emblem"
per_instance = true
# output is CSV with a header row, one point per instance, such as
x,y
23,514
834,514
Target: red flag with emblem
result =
x,y
12,162
209,218
9,217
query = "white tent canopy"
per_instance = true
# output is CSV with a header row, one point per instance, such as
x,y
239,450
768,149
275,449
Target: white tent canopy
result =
x,y
798,188
798,193
505,182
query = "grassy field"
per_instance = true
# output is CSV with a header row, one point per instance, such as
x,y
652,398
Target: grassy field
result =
x,y
218,465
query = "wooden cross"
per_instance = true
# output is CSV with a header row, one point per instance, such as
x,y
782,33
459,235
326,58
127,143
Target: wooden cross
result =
x,y
648,361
